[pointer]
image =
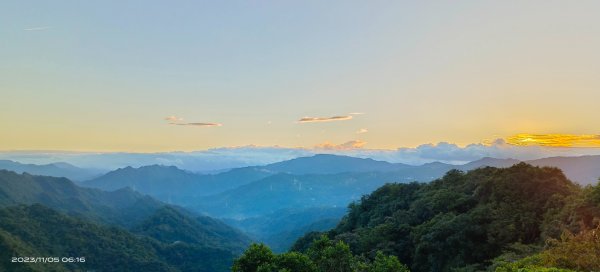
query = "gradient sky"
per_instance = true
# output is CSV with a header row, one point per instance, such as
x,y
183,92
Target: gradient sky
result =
x,y
104,76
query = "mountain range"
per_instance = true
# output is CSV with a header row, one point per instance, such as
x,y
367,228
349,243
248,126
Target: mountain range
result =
x,y
298,190
97,223
57,169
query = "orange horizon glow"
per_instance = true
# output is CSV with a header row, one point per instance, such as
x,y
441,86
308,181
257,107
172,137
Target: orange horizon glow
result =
x,y
555,140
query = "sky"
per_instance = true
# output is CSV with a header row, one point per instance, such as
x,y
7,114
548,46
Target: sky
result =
x,y
152,76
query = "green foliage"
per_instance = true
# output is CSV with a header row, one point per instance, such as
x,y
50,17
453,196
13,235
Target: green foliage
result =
x,y
383,263
143,231
323,255
39,231
528,264
173,226
331,256
463,221
578,252
256,256
122,207
296,262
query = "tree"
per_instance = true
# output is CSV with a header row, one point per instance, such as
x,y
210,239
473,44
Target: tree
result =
x,y
324,255
255,256
383,263
331,256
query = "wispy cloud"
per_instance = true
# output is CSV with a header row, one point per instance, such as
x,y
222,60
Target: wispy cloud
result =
x,y
555,140
198,124
354,144
362,130
38,28
173,118
356,113
177,121
324,119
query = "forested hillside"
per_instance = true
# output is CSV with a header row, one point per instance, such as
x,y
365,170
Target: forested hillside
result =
x,y
170,225
37,231
123,207
112,230
484,219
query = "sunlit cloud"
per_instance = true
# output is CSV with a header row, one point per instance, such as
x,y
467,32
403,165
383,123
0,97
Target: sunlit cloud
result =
x,y
324,119
39,28
362,130
555,140
198,124
173,118
177,121
355,144
356,113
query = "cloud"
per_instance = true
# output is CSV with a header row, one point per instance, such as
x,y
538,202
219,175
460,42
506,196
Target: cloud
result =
x,y
198,124
555,140
362,130
231,157
355,144
173,118
452,153
39,28
356,113
324,119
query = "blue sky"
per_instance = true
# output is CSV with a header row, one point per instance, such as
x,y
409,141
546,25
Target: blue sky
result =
x,y
104,75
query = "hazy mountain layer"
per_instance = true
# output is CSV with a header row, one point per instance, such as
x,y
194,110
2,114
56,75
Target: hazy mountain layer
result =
x,y
58,169
282,228
173,185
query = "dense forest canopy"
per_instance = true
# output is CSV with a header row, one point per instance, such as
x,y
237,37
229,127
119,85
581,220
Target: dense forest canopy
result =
x,y
484,219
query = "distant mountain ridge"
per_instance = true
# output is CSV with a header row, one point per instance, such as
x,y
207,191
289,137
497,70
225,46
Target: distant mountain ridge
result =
x,y
332,164
583,169
488,161
57,169
173,185
222,194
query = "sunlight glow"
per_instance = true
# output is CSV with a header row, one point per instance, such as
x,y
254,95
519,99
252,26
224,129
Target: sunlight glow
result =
x,y
555,140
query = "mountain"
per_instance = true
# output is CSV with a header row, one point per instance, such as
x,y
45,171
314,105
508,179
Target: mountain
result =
x,y
469,221
170,225
487,161
583,170
176,186
161,182
332,164
280,229
284,191
122,207
58,169
38,231
191,235
173,185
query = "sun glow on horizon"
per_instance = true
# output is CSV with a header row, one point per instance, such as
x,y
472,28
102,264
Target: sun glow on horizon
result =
x,y
555,140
